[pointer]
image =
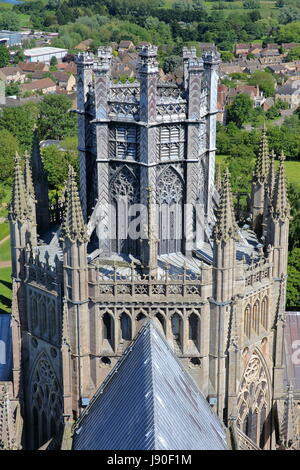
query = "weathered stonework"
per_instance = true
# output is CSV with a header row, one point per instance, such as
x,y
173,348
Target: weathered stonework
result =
x,y
219,294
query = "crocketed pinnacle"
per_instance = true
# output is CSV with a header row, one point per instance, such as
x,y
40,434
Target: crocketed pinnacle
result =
x,y
262,161
271,175
218,182
73,226
281,208
28,176
18,209
226,226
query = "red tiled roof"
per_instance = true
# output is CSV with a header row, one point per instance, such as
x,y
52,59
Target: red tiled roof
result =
x,y
42,84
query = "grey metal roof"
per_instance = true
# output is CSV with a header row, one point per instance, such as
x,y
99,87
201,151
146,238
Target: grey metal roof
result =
x,y
147,402
292,356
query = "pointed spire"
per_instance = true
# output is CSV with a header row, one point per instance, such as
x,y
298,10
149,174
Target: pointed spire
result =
x,y
28,176
271,175
218,182
281,208
73,226
226,226
7,425
18,208
262,161
288,424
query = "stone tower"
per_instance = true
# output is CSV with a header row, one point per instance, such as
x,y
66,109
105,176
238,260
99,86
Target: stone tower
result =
x,y
150,236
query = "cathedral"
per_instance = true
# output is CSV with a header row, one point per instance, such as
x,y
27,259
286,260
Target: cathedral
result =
x,y
148,260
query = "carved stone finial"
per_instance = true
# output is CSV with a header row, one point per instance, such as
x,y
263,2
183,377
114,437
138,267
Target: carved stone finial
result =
x,y
73,226
226,226
19,209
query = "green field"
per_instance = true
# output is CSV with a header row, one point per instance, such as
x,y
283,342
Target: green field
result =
x,y
5,254
5,290
292,169
266,7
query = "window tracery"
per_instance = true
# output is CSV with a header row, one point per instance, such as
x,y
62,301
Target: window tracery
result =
x,y
46,402
169,187
253,400
124,184
255,319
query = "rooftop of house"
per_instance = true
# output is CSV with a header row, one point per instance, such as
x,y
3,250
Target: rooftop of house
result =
x,y
61,76
7,71
125,44
38,84
84,44
149,401
289,88
32,66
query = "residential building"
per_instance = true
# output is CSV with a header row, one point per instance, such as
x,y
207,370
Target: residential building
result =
x,y
289,92
44,86
65,81
12,75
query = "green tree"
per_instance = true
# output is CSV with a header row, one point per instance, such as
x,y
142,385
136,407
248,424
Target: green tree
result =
x,y
8,148
273,112
294,54
264,80
251,4
4,56
227,56
293,291
56,163
20,121
53,61
56,121
10,20
239,111
12,90
294,231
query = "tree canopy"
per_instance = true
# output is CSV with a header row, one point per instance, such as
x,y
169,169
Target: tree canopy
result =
x,y
55,119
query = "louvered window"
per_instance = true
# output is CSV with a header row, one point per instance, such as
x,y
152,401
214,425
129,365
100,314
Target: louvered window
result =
x,y
171,142
123,142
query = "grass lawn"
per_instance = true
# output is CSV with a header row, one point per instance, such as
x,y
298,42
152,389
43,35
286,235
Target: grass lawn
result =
x,y
5,253
5,290
4,230
292,169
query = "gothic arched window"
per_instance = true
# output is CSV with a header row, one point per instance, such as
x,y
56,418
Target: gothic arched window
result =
x,y
46,401
124,191
176,327
264,313
255,317
247,321
125,327
170,211
262,419
107,326
43,319
35,321
161,319
253,400
52,320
